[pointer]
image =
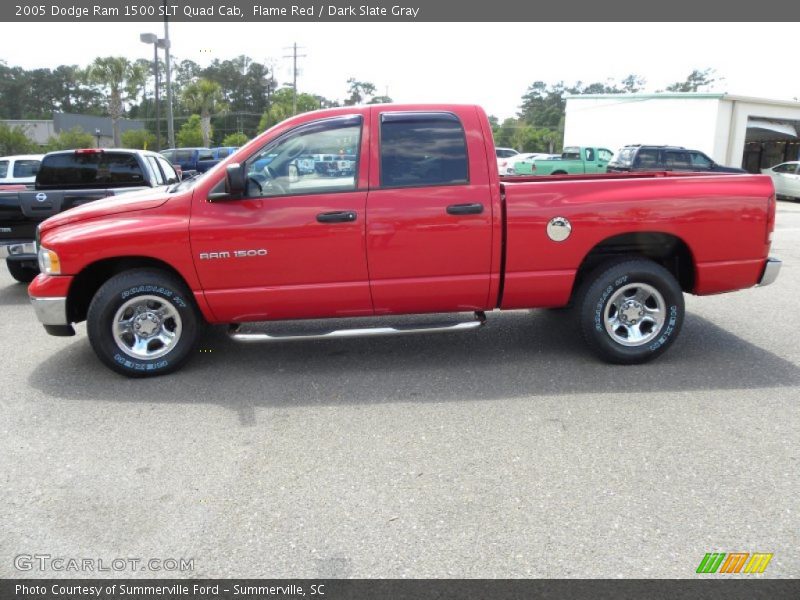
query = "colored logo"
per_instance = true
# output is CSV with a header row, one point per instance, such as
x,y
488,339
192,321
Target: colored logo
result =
x,y
734,562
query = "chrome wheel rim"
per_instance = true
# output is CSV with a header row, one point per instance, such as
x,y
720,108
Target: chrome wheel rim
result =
x,y
146,327
635,314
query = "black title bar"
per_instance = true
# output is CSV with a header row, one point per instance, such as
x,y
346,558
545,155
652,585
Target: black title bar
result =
x,y
396,589
240,11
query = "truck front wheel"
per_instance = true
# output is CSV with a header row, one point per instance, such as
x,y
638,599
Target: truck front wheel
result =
x,y
143,322
630,311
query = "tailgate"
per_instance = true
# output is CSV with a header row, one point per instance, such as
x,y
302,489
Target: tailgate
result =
x,y
13,223
41,205
21,212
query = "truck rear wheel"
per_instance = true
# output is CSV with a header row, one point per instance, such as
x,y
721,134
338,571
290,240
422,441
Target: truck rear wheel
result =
x,y
21,272
631,311
143,322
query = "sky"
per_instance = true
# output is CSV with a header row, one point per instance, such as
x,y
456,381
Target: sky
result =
x,y
491,64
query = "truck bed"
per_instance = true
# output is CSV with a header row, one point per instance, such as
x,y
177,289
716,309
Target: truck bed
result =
x,y
722,219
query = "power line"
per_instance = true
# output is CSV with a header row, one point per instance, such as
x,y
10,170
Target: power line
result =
x,y
294,56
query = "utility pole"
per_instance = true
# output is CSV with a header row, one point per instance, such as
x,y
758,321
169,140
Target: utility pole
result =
x,y
170,122
294,56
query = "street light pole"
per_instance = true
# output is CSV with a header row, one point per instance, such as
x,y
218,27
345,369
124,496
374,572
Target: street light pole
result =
x,y
152,38
166,46
158,106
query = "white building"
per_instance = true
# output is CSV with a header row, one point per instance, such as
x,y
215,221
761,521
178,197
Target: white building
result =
x,y
736,131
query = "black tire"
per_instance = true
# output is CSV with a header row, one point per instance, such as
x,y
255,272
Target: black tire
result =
x,y
21,272
626,294
558,173
149,291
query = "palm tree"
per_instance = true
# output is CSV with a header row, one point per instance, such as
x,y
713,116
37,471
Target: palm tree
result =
x,y
121,81
206,97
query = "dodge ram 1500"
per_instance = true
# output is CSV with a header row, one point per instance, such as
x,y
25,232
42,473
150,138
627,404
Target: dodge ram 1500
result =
x,y
422,223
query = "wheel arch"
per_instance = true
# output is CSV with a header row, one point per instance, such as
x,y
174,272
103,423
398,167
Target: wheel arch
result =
x,y
88,281
666,249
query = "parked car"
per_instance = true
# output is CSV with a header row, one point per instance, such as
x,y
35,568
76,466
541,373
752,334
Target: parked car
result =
x,y
20,169
503,154
573,159
221,152
426,226
786,179
509,167
639,157
191,160
65,180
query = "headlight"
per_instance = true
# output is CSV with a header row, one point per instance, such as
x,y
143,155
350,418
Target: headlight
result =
x,y
48,261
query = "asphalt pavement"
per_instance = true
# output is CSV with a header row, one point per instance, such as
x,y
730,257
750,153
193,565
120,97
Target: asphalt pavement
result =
x,y
506,452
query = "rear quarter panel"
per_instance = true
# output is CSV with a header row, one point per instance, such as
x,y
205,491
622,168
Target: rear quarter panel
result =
x,y
722,219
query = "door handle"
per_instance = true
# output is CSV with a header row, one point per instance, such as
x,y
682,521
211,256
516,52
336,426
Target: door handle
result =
x,y
337,216
465,209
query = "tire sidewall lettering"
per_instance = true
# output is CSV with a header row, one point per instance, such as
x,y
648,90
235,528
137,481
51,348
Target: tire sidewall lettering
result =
x,y
135,365
154,289
601,303
670,327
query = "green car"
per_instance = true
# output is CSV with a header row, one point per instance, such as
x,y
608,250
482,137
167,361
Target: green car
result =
x,y
573,160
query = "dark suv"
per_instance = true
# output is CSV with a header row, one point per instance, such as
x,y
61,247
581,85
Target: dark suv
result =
x,y
664,158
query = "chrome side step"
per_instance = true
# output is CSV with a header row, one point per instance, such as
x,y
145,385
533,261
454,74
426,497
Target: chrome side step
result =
x,y
237,334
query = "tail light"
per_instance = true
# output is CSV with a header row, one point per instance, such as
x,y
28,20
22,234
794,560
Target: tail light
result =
x,y
533,167
771,208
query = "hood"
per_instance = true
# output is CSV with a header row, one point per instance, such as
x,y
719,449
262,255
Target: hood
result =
x,y
130,201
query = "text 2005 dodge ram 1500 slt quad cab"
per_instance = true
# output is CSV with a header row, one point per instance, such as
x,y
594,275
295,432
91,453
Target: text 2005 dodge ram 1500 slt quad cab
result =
x,y
421,224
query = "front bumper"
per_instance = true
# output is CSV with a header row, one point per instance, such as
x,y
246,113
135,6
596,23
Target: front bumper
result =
x,y
17,249
50,311
48,295
771,270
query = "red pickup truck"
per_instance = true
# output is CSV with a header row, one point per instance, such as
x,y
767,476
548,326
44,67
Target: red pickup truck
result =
x,y
421,223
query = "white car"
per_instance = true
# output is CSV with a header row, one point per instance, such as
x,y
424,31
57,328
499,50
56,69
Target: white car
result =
x,y
510,167
503,154
20,169
786,178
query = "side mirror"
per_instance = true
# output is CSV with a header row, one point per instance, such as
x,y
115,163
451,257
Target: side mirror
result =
x,y
294,176
235,180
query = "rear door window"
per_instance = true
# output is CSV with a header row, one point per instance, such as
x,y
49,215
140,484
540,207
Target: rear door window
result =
x,y
90,169
677,160
589,154
3,168
647,159
422,149
26,168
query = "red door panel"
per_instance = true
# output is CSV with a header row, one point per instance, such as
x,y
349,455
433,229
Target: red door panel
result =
x,y
310,269
421,257
295,246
